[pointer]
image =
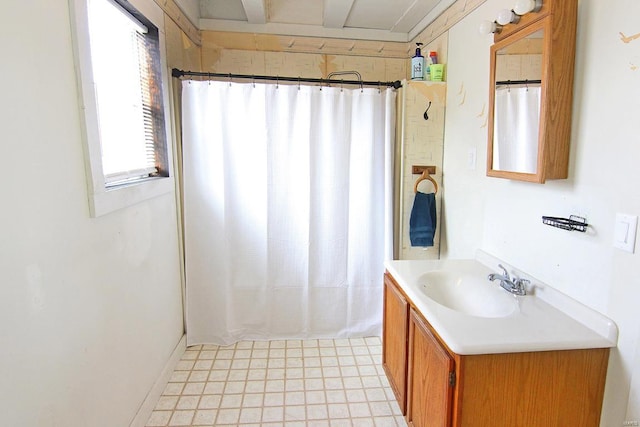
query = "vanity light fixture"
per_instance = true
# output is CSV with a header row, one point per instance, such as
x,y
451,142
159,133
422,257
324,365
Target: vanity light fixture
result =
x,y
506,16
523,7
488,27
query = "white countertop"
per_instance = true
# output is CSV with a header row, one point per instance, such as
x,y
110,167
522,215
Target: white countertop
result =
x,y
545,319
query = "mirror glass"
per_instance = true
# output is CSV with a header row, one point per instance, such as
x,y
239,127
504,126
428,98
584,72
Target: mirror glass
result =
x,y
518,88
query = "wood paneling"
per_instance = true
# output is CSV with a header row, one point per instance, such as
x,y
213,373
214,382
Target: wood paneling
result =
x,y
182,52
218,57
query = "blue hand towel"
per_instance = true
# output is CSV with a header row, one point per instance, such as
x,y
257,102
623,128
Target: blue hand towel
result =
x,y
422,223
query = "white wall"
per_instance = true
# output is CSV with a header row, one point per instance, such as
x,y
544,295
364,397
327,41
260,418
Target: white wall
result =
x,y
90,309
504,217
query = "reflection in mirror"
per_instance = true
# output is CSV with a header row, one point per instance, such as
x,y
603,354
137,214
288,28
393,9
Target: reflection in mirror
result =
x,y
518,75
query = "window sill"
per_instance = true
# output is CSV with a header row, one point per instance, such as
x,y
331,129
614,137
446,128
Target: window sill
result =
x,y
115,198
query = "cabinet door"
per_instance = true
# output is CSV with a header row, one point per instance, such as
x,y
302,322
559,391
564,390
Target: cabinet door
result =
x,y
395,325
430,389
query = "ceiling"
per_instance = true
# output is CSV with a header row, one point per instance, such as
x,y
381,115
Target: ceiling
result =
x,y
387,20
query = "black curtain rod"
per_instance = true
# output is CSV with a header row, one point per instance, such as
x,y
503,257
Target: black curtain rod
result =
x,y
518,82
180,73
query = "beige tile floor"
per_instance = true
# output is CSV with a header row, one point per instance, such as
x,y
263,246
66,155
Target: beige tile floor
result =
x,y
280,383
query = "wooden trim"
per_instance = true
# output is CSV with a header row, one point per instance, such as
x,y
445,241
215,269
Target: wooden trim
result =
x,y
173,11
302,30
562,26
443,23
300,44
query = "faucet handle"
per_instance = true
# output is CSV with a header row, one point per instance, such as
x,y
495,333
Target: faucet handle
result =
x,y
521,284
504,270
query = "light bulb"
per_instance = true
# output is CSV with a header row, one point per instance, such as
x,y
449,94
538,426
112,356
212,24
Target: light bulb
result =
x,y
523,7
506,16
488,27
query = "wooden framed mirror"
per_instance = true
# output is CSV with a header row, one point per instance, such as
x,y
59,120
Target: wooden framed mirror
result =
x,y
531,95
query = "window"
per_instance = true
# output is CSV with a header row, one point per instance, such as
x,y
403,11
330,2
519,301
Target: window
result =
x,y
119,61
125,56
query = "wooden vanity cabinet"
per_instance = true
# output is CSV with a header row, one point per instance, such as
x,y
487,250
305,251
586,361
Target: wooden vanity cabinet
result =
x,y
431,377
395,326
444,389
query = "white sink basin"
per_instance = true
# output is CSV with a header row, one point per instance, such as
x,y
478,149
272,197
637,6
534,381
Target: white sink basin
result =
x,y
467,294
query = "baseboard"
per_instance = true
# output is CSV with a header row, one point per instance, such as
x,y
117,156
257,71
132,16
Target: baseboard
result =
x,y
141,418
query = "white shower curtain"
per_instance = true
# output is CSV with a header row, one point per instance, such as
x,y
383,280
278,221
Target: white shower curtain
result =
x,y
287,210
517,119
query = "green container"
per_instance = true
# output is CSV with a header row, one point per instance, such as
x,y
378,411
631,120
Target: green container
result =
x,y
437,72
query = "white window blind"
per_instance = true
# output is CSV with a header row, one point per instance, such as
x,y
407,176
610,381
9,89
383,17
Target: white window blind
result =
x,y
122,61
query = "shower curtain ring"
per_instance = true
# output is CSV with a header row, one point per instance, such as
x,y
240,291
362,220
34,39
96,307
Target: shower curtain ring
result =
x,y
253,81
277,81
298,82
341,85
230,80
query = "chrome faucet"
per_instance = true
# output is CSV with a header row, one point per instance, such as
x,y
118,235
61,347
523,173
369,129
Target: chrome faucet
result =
x,y
513,285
